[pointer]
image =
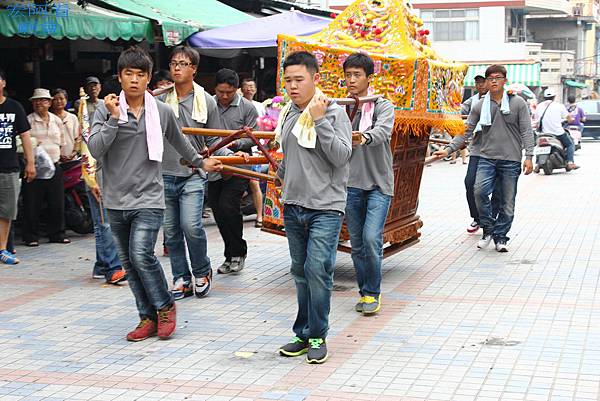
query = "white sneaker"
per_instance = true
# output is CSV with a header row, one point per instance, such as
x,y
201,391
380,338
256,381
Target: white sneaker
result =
x,y
484,242
473,227
501,247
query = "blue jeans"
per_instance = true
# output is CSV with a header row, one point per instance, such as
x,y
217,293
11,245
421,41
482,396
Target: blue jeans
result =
x,y
135,232
470,188
366,212
184,199
569,146
107,259
313,237
502,174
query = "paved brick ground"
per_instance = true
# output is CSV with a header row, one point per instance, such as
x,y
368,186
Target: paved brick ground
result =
x,y
457,323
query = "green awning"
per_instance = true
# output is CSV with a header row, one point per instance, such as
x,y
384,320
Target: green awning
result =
x,y
575,84
65,19
181,18
526,74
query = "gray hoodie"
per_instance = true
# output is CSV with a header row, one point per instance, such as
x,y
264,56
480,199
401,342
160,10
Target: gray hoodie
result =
x,y
371,164
505,138
130,180
171,159
317,178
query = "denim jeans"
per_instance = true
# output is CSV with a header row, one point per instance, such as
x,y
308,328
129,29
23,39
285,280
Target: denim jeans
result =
x,y
107,259
366,212
312,237
470,188
135,233
569,146
184,199
491,174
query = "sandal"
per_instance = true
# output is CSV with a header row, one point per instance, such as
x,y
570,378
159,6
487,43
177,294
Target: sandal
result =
x,y
32,243
258,224
60,241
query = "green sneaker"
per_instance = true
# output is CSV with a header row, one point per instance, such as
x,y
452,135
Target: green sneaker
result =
x,y
359,305
317,353
371,305
295,347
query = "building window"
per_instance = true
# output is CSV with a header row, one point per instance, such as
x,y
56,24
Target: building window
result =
x,y
452,25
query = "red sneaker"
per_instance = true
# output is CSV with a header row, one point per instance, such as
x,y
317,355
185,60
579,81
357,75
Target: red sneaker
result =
x,y
117,277
145,329
167,321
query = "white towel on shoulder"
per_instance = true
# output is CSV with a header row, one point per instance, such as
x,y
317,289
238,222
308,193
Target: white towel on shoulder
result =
x,y
485,118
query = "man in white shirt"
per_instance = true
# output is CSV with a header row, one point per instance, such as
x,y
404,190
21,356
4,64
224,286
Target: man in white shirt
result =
x,y
550,116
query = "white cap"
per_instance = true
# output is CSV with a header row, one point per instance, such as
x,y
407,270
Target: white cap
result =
x,y
549,92
479,74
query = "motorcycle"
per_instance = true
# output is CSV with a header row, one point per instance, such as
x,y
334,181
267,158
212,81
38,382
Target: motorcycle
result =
x,y
78,217
549,154
575,133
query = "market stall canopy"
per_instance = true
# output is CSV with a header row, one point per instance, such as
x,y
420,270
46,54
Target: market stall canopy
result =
x,y
425,89
575,84
66,19
526,74
259,36
181,18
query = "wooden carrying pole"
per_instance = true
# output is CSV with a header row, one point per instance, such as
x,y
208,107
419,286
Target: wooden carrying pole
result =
x,y
228,160
228,132
247,173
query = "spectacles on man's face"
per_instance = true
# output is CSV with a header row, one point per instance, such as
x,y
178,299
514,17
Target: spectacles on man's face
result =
x,y
496,78
180,64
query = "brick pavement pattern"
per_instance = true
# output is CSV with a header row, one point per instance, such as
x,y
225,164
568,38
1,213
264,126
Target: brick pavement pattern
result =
x,y
456,323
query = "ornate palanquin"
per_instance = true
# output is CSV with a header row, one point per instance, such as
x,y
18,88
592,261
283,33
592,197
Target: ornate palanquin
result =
x,y
425,90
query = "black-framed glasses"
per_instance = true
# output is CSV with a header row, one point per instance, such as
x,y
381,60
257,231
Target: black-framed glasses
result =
x,y
494,79
181,64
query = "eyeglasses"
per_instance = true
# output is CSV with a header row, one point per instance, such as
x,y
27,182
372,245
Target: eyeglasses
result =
x,y
494,79
181,64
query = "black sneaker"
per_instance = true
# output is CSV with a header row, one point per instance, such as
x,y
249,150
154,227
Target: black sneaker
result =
x,y
295,347
317,352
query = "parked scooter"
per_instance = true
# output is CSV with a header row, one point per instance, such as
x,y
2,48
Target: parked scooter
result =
x,y
77,210
575,133
549,154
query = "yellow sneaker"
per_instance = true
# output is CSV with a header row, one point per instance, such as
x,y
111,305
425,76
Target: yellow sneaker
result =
x,y
371,305
359,305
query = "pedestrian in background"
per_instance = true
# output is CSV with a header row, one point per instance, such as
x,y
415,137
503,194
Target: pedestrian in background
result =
x,y
72,145
49,131
13,122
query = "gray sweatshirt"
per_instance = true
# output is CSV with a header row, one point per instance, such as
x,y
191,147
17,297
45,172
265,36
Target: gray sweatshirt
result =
x,y
506,138
171,159
130,179
317,178
371,164
240,113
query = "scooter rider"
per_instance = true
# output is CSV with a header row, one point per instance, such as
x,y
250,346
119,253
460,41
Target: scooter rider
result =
x,y
577,113
550,115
